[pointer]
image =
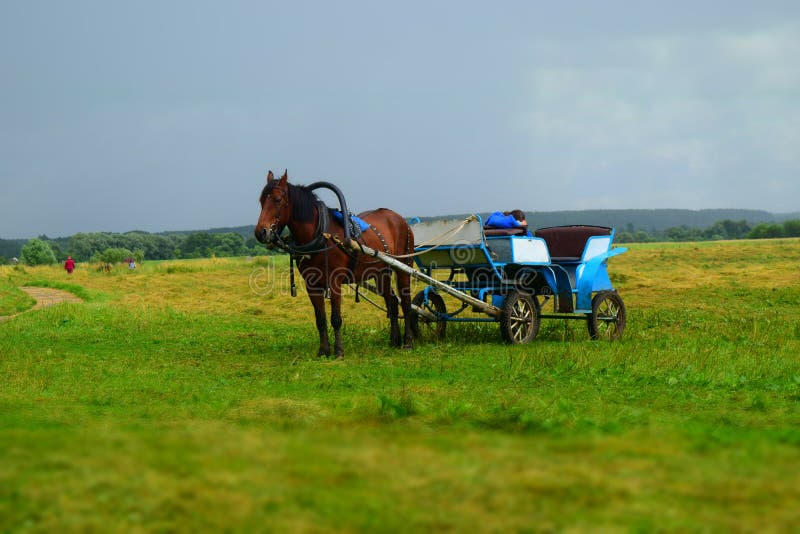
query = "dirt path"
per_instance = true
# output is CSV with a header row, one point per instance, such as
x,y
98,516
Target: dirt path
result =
x,y
46,296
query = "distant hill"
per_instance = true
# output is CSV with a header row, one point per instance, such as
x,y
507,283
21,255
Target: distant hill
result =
x,y
244,231
647,220
782,217
655,220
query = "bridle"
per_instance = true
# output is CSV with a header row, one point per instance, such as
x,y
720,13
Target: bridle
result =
x,y
316,245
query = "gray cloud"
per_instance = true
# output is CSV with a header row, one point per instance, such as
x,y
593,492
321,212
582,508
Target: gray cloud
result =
x,y
165,116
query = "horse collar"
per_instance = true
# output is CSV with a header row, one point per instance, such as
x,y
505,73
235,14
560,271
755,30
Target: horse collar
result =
x,y
317,243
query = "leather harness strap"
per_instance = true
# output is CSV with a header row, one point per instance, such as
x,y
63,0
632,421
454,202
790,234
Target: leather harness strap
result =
x,y
318,244
380,236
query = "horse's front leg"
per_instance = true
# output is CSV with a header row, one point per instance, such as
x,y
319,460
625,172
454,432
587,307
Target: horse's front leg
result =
x,y
318,301
336,319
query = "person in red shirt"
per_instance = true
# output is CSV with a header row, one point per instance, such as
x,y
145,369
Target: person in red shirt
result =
x,y
69,265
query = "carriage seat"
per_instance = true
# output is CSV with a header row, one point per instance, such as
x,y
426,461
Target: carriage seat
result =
x,y
495,232
567,243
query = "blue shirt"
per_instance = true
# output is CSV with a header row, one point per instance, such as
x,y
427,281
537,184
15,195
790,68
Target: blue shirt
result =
x,y
498,220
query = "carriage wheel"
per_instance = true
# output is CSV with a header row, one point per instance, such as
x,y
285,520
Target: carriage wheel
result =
x,y
607,320
519,318
422,327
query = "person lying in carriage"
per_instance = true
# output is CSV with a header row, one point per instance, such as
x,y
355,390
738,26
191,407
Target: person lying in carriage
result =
x,y
508,220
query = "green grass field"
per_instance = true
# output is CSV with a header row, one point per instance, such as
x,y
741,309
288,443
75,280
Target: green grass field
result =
x,y
177,399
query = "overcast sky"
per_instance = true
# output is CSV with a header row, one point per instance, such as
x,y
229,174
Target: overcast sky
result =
x,y
166,115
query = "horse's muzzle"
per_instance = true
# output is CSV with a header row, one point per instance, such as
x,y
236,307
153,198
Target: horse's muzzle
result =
x,y
264,235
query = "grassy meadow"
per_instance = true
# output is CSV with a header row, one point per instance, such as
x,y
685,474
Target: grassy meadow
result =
x,y
186,396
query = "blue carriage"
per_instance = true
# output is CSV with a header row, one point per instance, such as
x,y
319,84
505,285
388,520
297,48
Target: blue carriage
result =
x,y
511,277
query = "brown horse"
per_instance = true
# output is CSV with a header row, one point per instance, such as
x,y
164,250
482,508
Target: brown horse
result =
x,y
326,265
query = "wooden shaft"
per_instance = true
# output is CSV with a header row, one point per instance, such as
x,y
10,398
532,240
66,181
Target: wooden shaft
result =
x,y
488,309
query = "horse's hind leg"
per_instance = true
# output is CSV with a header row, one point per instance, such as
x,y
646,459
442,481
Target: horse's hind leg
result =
x,y
318,301
336,320
404,288
384,280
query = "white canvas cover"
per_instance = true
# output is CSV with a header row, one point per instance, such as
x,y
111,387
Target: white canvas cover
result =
x,y
448,232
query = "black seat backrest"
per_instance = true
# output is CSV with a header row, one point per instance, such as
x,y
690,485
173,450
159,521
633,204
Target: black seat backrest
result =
x,y
566,243
488,231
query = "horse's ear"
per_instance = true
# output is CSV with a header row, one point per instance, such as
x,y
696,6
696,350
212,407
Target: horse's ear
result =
x,y
270,177
284,178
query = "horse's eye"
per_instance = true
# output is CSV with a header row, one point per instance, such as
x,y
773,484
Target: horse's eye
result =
x,y
278,200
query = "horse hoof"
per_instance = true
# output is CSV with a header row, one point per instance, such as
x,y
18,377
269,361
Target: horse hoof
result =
x,y
323,353
408,345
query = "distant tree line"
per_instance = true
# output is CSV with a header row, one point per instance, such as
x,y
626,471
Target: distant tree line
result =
x,y
10,248
100,246
726,229
106,247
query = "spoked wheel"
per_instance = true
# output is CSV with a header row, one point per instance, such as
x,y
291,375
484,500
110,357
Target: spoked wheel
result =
x,y
607,320
424,328
519,318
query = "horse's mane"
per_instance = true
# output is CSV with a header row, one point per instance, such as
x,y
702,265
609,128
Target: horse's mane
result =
x,y
302,198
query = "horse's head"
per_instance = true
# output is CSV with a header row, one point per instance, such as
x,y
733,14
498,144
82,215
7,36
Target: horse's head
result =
x,y
276,210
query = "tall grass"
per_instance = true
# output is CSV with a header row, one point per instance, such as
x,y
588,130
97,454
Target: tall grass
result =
x,y
182,400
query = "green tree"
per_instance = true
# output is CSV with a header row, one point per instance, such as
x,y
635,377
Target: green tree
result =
x,y
792,228
113,255
254,248
85,246
624,237
736,229
727,229
228,244
156,247
37,252
766,231
197,245
683,233
57,252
